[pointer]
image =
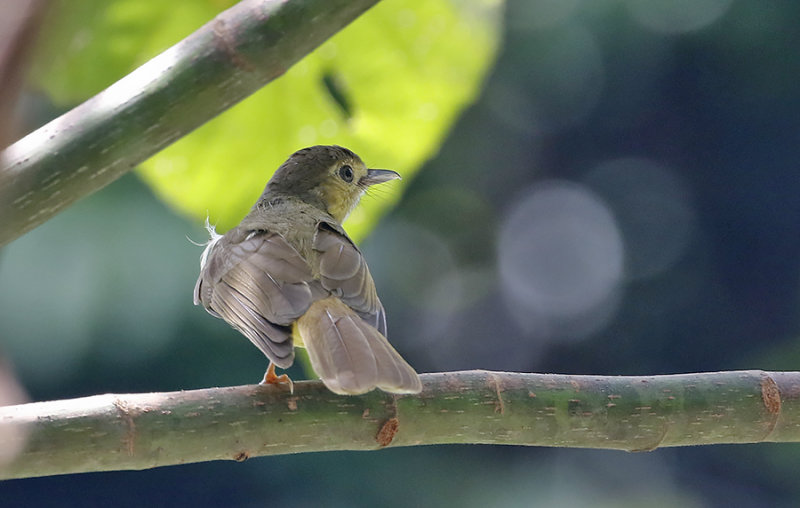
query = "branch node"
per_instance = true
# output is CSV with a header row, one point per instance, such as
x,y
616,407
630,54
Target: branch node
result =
x,y
656,443
499,406
223,36
125,413
771,396
387,431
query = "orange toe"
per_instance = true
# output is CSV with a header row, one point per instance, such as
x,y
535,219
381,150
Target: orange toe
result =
x,y
270,378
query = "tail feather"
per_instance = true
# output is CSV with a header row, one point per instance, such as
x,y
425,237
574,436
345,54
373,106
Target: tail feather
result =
x,y
350,356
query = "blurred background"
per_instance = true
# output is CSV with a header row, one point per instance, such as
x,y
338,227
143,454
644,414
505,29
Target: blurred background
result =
x,y
622,198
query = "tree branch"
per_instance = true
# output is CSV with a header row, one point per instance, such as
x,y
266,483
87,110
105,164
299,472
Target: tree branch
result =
x,y
229,58
139,431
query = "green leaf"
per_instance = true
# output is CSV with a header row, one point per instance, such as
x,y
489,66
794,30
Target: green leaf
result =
x,y
88,45
388,87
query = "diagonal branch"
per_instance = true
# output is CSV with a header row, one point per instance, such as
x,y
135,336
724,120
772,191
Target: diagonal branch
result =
x,y
139,431
229,58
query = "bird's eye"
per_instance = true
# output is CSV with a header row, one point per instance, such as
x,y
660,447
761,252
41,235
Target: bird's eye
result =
x,y
346,173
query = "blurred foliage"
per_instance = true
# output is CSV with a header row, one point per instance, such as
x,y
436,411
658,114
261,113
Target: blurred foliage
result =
x,y
387,87
685,131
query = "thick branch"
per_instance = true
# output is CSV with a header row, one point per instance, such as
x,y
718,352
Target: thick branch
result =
x,y
139,431
217,66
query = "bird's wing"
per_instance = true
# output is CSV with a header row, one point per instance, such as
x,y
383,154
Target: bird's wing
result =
x,y
343,271
259,284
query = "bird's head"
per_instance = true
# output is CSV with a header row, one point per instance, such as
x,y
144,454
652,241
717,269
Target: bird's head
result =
x,y
331,177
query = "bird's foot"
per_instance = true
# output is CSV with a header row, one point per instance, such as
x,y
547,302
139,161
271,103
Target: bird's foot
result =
x,y
270,378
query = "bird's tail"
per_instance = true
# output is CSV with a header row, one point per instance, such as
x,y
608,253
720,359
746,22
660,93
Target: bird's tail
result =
x,y
349,355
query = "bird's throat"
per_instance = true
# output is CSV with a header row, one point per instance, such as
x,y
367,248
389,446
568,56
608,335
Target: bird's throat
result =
x,y
338,201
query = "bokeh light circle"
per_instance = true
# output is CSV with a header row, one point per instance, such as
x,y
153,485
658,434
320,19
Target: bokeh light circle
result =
x,y
560,254
677,16
653,209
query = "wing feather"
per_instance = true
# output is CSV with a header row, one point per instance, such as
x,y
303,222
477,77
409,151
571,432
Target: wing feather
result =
x,y
343,271
260,285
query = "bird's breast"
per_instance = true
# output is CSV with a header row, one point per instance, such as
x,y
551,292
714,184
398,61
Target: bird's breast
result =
x,y
296,337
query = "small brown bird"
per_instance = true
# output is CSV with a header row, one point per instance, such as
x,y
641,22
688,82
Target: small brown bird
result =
x,y
289,275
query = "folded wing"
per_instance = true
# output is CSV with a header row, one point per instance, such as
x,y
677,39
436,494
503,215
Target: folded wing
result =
x,y
260,285
343,271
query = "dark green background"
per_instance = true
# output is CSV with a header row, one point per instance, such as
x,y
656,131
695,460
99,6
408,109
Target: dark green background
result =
x,y
99,299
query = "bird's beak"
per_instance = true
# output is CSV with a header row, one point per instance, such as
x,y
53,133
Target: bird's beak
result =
x,y
379,176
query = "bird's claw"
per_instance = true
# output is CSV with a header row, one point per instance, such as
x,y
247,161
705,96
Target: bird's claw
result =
x,y
270,378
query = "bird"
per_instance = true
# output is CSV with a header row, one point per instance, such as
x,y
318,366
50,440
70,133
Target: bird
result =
x,y
289,276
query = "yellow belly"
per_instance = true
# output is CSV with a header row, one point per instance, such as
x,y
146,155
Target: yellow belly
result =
x,y
297,340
